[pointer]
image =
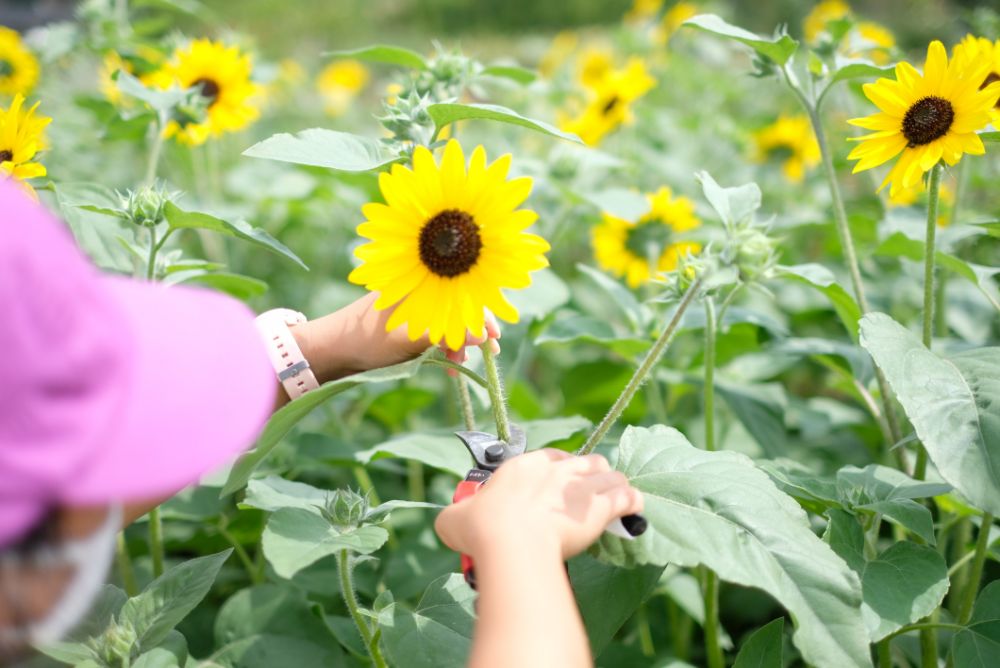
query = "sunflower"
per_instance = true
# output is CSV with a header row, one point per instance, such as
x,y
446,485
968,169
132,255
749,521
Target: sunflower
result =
x,y
593,67
822,14
610,102
339,83
925,117
20,140
222,76
974,50
790,139
18,66
628,249
446,242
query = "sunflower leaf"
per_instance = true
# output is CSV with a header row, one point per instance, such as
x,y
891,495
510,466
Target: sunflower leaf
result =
x,y
521,75
823,280
317,147
953,403
162,101
383,53
719,510
854,70
446,113
990,137
179,219
779,49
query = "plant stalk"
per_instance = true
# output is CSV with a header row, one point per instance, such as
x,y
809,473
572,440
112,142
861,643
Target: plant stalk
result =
x,y
709,388
933,189
465,403
645,632
976,574
351,600
883,650
652,357
156,541
713,648
151,260
495,387
154,155
125,570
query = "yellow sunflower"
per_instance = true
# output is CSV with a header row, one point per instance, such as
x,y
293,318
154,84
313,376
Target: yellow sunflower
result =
x,y
18,66
610,103
925,118
974,50
339,83
593,67
20,140
446,242
222,76
823,13
628,249
790,139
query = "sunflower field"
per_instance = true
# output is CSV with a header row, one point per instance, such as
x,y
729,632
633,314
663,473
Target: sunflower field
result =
x,y
750,254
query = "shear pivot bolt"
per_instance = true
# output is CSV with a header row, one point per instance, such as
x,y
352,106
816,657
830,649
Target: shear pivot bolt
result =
x,y
494,453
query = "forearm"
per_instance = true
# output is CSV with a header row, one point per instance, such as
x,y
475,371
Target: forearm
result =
x,y
527,613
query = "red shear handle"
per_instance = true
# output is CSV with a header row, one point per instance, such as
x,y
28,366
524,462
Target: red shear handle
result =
x,y
465,489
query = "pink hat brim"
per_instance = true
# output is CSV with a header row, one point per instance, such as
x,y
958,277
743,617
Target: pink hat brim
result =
x,y
201,388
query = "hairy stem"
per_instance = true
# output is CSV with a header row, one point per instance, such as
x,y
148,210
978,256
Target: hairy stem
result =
x,y
125,570
713,648
156,541
495,387
976,573
652,357
709,389
465,403
351,600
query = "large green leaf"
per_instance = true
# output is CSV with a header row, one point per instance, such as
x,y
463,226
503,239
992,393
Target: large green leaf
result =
x,y
295,538
384,53
272,609
162,101
273,493
761,408
821,278
891,493
953,403
332,149
978,646
903,584
763,648
267,651
779,48
521,75
608,595
734,204
446,113
169,598
179,219
622,203
900,245
438,632
290,414
717,509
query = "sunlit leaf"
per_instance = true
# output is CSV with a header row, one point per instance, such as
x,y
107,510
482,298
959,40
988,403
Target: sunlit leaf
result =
x,y
779,49
903,584
446,113
295,538
332,149
763,648
383,53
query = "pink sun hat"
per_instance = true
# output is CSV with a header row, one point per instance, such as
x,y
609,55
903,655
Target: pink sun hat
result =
x,y
112,389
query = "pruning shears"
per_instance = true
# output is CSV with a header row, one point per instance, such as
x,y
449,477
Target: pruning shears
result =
x,y
488,453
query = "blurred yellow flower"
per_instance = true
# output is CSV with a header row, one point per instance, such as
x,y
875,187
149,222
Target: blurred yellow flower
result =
x,y
18,66
914,194
610,103
563,45
593,66
673,20
447,241
925,118
643,10
222,75
973,51
290,72
339,83
392,92
791,140
823,13
630,250
873,41
20,140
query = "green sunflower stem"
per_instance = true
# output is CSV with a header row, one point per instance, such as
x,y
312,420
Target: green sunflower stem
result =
x,y
713,647
125,570
154,154
495,387
976,573
346,565
709,400
648,363
850,255
933,190
156,541
465,403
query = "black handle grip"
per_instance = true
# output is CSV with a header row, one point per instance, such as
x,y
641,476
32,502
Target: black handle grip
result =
x,y
636,525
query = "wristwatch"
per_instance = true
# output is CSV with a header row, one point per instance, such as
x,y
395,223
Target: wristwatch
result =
x,y
286,357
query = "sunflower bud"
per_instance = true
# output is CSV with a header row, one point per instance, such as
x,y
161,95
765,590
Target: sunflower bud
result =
x,y
116,643
144,207
755,255
407,118
346,509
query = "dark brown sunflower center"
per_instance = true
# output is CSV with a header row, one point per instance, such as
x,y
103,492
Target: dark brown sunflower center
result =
x,y
6,155
6,68
929,118
611,105
450,243
648,239
991,77
208,88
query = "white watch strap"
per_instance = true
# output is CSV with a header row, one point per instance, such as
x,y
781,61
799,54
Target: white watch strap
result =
x,y
286,356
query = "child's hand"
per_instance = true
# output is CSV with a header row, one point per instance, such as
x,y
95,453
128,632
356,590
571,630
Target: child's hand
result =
x,y
547,499
354,339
